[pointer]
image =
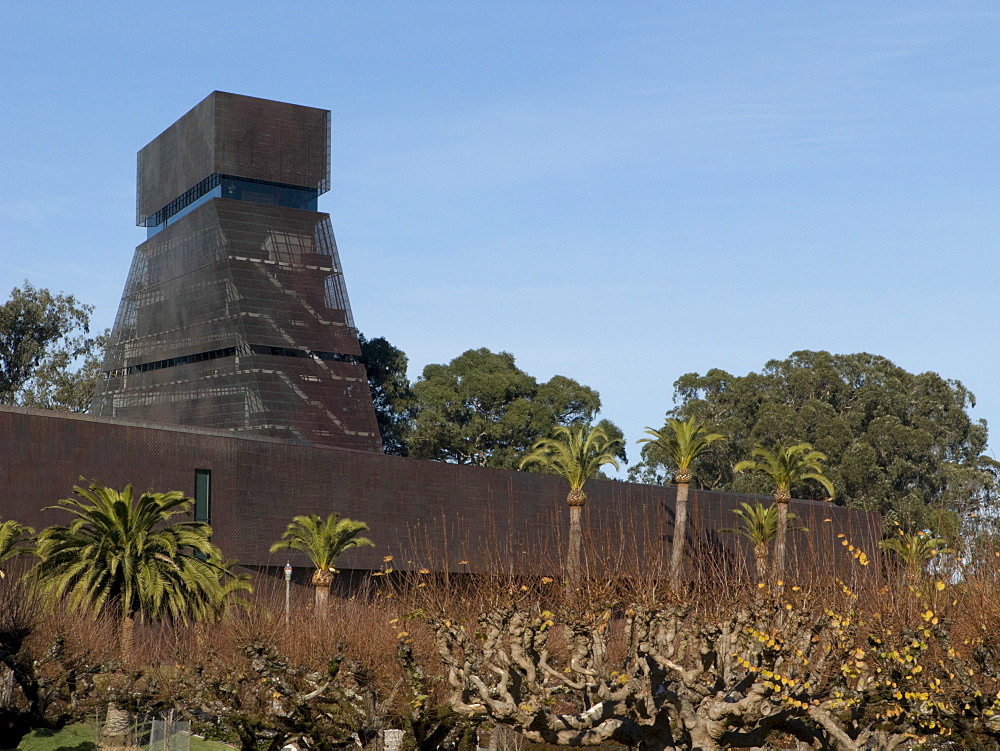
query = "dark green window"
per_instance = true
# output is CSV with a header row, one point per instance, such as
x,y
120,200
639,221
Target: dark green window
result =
x,y
203,495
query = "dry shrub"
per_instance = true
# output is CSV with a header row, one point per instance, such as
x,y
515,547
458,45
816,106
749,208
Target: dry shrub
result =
x,y
844,654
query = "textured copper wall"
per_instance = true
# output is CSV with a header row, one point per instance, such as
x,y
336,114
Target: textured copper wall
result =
x,y
235,315
252,279
418,511
235,135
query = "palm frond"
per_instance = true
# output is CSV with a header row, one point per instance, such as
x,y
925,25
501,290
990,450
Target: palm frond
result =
x,y
322,541
575,452
125,553
788,467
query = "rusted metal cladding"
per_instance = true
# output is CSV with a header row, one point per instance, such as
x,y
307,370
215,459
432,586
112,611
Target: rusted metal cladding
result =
x,y
235,314
237,135
444,516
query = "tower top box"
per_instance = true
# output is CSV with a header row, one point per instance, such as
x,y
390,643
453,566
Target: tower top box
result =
x,y
237,136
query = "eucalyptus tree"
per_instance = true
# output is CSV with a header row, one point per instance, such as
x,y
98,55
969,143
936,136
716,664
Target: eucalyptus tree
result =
x,y
899,443
47,358
576,453
482,409
130,557
787,467
681,442
322,542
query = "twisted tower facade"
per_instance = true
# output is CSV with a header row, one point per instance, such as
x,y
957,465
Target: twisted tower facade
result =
x,y
235,313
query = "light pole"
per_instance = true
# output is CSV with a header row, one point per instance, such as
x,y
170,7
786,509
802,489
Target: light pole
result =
x,y
288,587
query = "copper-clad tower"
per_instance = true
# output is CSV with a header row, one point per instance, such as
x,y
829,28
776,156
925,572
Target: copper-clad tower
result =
x,y
235,313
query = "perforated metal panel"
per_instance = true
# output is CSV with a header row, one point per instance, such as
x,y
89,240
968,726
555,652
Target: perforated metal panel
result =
x,y
420,512
235,314
235,135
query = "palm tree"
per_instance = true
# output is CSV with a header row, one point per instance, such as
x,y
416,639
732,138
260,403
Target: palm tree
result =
x,y
759,525
681,441
787,467
125,556
915,550
323,542
14,540
575,453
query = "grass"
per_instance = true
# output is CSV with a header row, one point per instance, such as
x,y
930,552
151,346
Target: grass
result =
x,y
80,737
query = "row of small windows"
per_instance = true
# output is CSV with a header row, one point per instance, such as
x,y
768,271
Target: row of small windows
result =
x,y
171,362
236,188
214,354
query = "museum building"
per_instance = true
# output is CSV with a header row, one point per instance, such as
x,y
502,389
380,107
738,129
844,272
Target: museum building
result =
x,y
233,374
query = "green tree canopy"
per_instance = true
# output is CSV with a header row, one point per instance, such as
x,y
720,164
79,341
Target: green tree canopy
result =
x,y
482,409
47,359
897,442
392,396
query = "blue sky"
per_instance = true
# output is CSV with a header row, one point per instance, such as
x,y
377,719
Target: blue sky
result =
x,y
617,192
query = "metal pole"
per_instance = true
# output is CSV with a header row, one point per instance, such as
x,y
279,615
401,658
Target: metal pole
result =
x,y
288,586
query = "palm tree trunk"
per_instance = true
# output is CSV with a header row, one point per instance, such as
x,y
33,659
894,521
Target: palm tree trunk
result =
x,y
575,499
781,536
680,531
127,640
321,580
321,599
117,726
760,559
118,722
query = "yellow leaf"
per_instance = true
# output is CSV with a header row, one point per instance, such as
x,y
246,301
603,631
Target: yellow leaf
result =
x,y
387,559
940,586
